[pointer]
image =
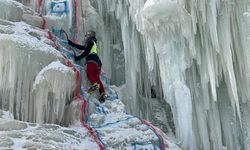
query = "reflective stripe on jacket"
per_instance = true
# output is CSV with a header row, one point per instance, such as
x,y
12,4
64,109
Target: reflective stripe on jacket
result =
x,y
93,49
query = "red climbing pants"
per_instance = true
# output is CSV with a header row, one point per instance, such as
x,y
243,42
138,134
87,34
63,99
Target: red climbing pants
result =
x,y
93,75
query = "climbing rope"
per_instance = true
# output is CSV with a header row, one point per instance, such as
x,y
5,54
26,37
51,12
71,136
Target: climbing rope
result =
x,y
161,143
92,132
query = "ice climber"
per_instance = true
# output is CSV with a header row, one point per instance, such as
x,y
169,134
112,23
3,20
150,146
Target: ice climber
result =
x,y
93,63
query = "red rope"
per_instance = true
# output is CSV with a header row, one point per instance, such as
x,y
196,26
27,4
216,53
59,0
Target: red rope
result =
x,y
77,94
43,23
39,8
163,146
84,104
68,63
90,130
51,38
75,21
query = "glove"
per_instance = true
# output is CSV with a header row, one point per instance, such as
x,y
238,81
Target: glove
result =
x,y
69,42
75,58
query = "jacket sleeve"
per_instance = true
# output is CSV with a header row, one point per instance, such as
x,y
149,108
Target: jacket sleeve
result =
x,y
80,47
86,52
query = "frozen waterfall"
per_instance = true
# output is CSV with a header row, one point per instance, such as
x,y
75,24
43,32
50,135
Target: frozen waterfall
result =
x,y
194,55
182,64
43,98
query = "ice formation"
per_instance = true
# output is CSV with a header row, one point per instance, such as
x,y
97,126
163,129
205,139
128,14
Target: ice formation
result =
x,y
16,135
23,55
40,86
192,55
187,58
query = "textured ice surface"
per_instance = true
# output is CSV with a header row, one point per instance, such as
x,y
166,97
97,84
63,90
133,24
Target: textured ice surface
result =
x,y
21,135
37,86
192,54
25,51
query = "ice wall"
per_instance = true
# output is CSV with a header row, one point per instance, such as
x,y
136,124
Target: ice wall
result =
x,y
37,86
30,68
191,55
194,54
52,90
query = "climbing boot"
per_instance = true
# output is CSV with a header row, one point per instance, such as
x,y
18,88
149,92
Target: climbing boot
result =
x,y
103,97
93,88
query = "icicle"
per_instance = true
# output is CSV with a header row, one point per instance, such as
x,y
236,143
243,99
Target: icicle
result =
x,y
20,63
52,89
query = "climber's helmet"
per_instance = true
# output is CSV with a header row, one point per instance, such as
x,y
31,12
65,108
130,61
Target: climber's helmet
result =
x,y
90,34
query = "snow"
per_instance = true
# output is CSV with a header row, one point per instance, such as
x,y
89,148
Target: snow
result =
x,y
22,135
53,66
6,115
28,135
11,10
